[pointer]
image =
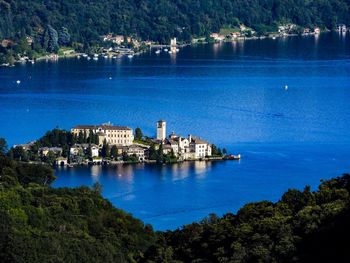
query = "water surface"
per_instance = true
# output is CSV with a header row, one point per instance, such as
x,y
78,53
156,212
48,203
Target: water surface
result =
x,y
232,94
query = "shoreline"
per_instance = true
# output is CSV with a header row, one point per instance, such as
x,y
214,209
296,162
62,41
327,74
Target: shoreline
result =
x,y
56,57
108,163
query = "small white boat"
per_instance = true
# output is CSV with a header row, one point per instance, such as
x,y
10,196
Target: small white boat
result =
x,y
177,50
130,56
105,56
88,58
95,58
95,55
114,57
18,82
286,87
158,51
165,49
170,52
85,55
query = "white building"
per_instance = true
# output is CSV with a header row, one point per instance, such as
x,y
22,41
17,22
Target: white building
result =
x,y
200,147
173,42
161,130
138,151
187,148
114,135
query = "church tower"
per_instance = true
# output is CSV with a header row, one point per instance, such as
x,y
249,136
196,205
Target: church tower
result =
x,y
161,130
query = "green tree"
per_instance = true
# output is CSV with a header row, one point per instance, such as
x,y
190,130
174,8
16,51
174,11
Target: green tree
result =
x,y
52,43
105,152
114,151
138,134
63,36
3,146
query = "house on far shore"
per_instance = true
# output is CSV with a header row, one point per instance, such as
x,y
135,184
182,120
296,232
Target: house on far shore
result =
x,y
117,39
341,28
217,37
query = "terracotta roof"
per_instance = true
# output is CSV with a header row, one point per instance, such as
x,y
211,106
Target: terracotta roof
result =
x,y
104,127
198,141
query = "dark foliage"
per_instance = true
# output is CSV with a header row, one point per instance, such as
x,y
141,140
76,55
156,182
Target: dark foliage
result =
x,y
43,224
160,20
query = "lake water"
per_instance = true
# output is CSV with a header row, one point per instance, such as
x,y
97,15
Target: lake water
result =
x,y
232,94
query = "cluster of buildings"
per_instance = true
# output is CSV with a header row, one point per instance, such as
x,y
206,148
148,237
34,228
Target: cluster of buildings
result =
x,y
184,148
122,138
282,30
239,33
120,40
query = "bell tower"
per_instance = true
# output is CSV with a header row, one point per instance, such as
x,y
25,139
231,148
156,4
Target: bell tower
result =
x,y
161,130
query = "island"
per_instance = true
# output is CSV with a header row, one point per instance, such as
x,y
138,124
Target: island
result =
x,y
107,144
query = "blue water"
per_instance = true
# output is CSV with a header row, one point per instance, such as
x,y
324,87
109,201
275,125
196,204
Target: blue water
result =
x,y
230,94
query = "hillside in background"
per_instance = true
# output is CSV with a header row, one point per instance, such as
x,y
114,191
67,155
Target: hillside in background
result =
x,y
160,20
43,224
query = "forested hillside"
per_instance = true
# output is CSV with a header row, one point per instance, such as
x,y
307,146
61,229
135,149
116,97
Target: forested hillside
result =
x,y
160,20
39,223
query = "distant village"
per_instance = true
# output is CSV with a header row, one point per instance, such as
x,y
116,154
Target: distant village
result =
x,y
243,32
114,46
109,144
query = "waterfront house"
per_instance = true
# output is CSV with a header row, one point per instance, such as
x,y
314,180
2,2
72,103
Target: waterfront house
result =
x,y
341,28
200,147
137,151
217,37
61,161
83,149
113,135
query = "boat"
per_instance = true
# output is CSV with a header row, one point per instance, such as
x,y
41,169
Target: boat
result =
x,y
130,56
88,58
95,58
95,55
158,51
18,82
177,50
232,157
114,57
170,52
165,49
85,55
105,56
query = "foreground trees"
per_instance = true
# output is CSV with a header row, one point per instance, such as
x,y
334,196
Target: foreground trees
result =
x,y
43,224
